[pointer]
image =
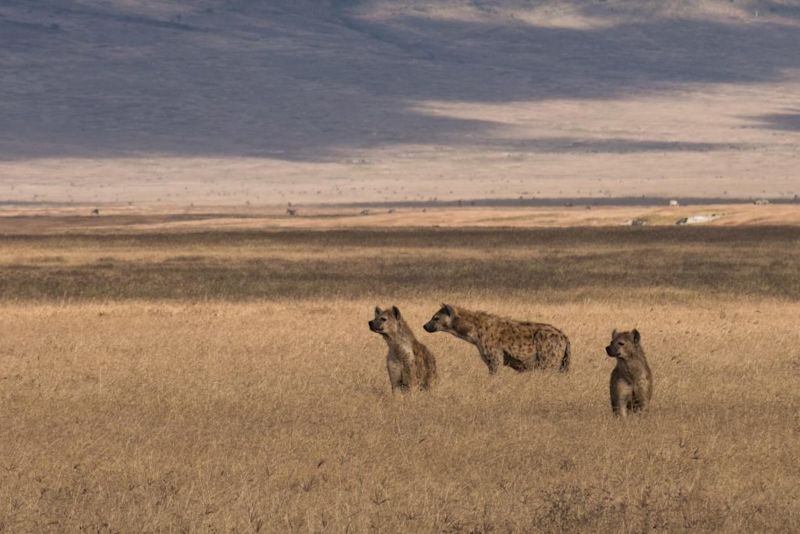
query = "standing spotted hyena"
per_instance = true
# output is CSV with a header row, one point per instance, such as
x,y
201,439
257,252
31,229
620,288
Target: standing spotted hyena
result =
x,y
410,364
631,380
523,346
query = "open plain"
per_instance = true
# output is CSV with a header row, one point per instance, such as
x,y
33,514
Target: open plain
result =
x,y
202,202
227,381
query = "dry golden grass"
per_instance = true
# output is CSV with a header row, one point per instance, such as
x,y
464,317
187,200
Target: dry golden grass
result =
x,y
174,219
255,398
552,264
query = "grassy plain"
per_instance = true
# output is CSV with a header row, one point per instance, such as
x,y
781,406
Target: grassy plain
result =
x,y
227,381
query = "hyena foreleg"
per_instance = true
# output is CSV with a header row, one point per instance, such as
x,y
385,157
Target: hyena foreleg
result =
x,y
493,358
410,378
395,369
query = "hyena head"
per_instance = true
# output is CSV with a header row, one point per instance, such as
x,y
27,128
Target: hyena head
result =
x,y
442,320
387,323
624,344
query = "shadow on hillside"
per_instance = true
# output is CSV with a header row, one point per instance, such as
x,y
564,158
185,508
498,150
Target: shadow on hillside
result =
x,y
309,84
566,145
780,121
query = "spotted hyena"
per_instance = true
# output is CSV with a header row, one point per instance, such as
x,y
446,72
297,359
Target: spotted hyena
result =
x,y
523,346
631,380
410,364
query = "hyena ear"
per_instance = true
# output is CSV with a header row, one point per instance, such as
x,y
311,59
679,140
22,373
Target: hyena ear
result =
x,y
613,333
395,312
636,336
378,311
448,310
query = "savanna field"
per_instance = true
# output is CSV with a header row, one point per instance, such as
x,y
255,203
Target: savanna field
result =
x,y
227,382
203,201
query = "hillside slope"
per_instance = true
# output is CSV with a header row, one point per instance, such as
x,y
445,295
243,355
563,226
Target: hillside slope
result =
x,y
234,101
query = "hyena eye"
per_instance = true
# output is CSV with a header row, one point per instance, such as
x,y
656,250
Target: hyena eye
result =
x,y
435,317
621,343
383,319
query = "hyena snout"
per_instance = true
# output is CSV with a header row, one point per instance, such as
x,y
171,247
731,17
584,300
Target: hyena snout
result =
x,y
612,351
375,326
430,327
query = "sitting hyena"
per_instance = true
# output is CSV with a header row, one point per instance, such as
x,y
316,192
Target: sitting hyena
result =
x,y
411,365
520,345
631,380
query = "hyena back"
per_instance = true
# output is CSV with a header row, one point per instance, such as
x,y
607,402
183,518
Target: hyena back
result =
x,y
410,364
521,345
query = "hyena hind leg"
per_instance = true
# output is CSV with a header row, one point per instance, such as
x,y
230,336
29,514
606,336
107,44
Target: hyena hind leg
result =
x,y
638,403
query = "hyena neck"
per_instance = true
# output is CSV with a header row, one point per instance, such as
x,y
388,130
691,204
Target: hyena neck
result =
x,y
465,325
632,368
404,339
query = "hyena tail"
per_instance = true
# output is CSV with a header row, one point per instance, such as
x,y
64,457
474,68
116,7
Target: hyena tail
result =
x,y
565,360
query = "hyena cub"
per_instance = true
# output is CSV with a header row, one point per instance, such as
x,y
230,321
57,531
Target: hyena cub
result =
x,y
523,346
631,380
411,365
